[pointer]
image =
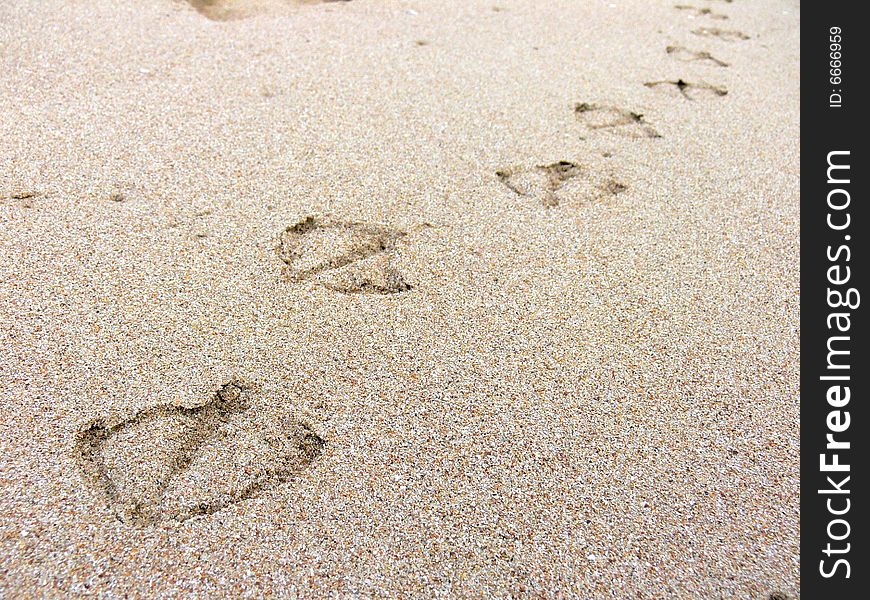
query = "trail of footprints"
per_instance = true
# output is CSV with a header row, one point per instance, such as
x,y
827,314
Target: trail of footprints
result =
x,y
172,463
553,185
690,90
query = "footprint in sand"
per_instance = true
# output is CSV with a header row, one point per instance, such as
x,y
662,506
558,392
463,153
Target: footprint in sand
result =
x,y
226,10
25,197
559,183
686,55
344,256
729,35
171,463
701,12
688,90
597,117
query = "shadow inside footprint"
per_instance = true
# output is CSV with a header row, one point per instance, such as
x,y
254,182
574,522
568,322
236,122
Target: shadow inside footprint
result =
x,y
174,463
559,182
344,256
686,89
617,120
227,10
222,10
701,12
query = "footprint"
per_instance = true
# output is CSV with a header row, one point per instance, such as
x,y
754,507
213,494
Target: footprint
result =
x,y
685,88
174,463
686,55
226,10
555,184
617,120
221,10
542,181
343,256
24,196
701,12
729,35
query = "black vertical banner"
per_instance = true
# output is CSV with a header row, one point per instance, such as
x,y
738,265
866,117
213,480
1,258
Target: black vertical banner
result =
x,y
834,336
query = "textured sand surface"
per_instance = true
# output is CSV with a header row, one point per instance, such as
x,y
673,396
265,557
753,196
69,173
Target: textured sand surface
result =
x,y
399,298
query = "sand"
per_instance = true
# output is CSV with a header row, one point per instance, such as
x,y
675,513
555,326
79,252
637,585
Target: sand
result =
x,y
538,338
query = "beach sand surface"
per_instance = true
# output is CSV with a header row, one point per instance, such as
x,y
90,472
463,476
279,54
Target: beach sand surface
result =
x,y
399,298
